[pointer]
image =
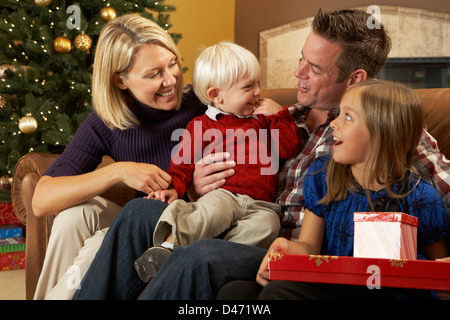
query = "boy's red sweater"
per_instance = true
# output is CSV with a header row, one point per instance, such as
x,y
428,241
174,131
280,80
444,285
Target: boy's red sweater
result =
x,y
248,146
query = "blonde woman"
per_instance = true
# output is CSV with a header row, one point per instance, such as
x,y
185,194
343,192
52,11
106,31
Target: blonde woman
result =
x,y
139,100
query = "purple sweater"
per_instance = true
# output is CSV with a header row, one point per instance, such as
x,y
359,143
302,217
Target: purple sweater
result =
x,y
150,142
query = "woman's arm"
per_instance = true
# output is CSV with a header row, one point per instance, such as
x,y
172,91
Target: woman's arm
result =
x,y
309,242
54,194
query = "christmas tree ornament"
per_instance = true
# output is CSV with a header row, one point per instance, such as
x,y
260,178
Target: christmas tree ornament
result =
x,y
43,3
108,14
5,182
6,67
38,69
2,102
83,42
28,124
62,44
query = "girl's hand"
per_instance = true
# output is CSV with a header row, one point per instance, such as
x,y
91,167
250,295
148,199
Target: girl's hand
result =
x,y
144,177
170,195
280,245
267,107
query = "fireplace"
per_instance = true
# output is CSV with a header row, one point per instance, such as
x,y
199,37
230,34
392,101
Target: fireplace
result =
x,y
420,55
417,73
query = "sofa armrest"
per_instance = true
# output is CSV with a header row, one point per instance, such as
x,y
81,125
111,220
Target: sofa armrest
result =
x,y
27,173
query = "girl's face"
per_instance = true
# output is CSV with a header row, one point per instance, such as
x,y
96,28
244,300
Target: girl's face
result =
x,y
350,132
152,80
241,98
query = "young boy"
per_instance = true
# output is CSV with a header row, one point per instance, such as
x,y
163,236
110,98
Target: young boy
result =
x,y
256,132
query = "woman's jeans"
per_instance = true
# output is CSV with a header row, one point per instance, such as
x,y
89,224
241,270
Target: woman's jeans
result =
x,y
195,272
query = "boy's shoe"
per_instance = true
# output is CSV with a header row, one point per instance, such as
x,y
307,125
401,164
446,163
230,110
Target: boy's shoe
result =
x,y
150,262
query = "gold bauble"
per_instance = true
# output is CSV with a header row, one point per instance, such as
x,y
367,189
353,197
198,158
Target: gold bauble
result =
x,y
28,124
43,3
2,102
83,42
62,44
107,13
5,182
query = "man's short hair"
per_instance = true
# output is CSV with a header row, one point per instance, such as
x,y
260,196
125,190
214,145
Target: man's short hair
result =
x,y
362,47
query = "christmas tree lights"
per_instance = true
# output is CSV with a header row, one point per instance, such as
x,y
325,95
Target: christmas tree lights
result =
x,y
46,54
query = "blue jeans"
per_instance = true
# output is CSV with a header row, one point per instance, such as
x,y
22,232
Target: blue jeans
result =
x,y
194,272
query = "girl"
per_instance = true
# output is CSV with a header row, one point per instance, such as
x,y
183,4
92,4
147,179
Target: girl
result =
x,y
376,134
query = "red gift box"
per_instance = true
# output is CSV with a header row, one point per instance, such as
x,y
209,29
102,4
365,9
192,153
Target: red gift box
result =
x,y
7,215
12,260
415,274
387,235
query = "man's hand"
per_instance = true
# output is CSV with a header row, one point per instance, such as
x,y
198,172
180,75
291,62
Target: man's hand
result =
x,y
211,173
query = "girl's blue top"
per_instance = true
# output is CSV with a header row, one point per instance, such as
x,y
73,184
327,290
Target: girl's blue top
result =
x,y
424,203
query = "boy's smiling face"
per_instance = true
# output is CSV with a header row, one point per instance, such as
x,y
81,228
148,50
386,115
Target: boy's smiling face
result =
x,y
240,99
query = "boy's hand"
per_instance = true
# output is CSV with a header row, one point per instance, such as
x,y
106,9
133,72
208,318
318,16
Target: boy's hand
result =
x,y
267,107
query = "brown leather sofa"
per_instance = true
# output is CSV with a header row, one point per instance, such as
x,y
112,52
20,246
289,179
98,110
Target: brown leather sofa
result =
x,y
31,166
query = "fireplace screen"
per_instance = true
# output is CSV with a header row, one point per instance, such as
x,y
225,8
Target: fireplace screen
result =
x,y
418,73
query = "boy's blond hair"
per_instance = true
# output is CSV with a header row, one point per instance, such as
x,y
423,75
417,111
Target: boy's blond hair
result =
x,y
221,66
117,45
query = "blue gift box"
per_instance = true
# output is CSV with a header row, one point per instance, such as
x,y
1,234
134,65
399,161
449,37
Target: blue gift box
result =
x,y
10,231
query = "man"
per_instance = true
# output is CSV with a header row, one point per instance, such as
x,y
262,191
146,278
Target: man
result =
x,y
340,51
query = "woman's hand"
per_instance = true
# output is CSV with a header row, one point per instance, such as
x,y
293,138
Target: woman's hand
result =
x,y
144,177
53,194
210,173
280,245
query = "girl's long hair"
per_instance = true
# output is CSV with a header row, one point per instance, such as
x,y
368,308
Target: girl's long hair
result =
x,y
393,113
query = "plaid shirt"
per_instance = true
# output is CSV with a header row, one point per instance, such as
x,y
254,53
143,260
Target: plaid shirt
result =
x,y
292,174
434,166
428,161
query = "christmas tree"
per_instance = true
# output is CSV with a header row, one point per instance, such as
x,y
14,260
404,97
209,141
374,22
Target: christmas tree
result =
x,y
46,54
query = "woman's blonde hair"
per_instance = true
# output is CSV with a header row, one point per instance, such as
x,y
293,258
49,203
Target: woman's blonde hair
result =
x,y
220,66
117,45
393,113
